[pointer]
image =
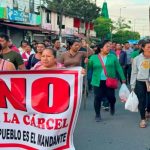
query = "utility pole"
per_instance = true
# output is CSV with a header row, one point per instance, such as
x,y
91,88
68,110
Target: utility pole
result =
x,y
121,11
134,24
149,19
60,19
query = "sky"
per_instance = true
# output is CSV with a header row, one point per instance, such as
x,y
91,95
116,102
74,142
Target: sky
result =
x,y
137,11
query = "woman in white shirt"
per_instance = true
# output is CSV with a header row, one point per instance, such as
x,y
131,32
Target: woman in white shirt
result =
x,y
139,76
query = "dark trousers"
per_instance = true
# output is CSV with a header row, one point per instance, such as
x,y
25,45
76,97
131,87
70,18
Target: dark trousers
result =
x,y
127,72
143,97
89,85
101,92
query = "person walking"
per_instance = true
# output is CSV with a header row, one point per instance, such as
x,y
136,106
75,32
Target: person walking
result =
x,y
48,60
121,55
99,77
127,48
140,77
23,45
58,48
34,58
73,57
137,51
4,64
26,54
10,55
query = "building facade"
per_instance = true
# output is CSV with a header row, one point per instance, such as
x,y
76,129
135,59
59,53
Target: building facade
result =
x,y
30,20
18,19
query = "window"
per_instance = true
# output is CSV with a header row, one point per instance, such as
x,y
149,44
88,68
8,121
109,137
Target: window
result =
x,y
48,17
58,19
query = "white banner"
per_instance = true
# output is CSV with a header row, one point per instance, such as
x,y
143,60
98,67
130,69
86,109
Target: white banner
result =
x,y
39,109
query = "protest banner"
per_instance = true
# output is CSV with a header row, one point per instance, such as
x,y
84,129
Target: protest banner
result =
x,y
39,109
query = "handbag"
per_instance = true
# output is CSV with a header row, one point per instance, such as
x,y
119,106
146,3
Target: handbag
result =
x,y
110,82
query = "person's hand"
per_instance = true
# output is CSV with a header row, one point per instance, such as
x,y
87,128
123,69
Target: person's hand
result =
x,y
132,89
87,45
86,60
83,72
124,81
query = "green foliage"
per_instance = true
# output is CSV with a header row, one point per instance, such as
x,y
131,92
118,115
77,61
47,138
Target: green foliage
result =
x,y
121,24
102,27
82,9
123,36
122,31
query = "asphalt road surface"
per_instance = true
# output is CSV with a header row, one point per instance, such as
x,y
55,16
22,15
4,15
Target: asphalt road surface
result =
x,y
118,132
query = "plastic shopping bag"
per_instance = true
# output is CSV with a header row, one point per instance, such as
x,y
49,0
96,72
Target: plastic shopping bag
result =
x,y
132,103
124,93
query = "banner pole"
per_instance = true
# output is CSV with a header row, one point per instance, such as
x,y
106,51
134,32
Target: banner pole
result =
x,y
85,82
85,90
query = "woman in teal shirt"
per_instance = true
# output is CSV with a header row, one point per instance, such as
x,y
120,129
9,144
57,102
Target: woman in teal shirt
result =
x,y
99,78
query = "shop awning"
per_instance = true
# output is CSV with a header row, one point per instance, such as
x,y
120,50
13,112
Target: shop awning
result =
x,y
24,27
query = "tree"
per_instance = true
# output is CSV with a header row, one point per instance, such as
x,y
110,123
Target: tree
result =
x,y
123,36
77,8
90,13
102,27
122,33
121,24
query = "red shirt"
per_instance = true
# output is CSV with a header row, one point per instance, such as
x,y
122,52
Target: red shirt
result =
x,y
118,53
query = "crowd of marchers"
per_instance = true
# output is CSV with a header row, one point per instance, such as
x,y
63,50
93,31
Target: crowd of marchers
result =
x,y
102,63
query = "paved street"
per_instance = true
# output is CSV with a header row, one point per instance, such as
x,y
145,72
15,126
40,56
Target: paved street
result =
x,y
120,132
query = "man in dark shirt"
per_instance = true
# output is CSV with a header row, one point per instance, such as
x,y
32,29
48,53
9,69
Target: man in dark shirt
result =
x,y
10,55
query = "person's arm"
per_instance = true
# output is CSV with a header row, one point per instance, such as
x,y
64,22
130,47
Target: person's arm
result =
x,y
21,67
88,52
61,60
134,73
19,62
10,66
